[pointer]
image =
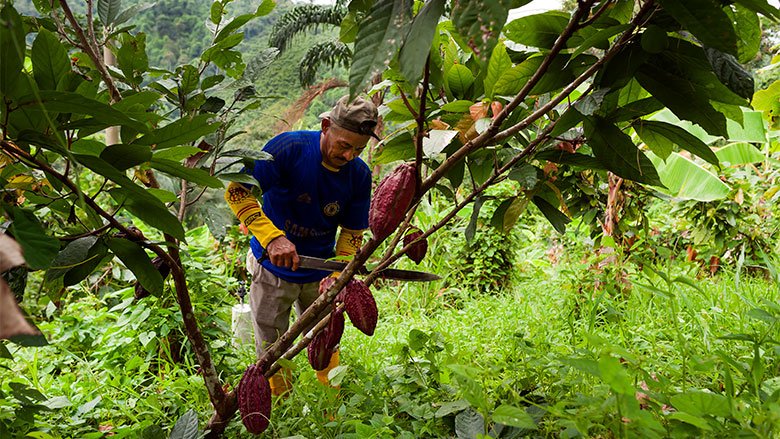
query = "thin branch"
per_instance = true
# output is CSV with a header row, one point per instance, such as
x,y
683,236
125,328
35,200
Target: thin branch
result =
x,y
87,47
421,128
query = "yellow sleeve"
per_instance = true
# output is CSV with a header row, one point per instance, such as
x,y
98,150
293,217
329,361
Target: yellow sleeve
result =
x,y
347,244
245,206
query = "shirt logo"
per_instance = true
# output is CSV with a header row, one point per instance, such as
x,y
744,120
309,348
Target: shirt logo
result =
x,y
331,209
304,198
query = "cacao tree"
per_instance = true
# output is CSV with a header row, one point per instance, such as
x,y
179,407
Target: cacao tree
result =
x,y
557,102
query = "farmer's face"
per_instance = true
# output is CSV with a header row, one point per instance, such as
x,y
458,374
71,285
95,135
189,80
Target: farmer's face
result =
x,y
339,145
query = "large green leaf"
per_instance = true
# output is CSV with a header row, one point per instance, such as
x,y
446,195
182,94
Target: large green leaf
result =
x,y
180,132
152,212
417,44
553,215
686,180
131,57
459,79
762,7
194,175
381,34
740,154
705,19
12,47
636,109
571,159
748,32
49,59
751,130
498,64
400,147
699,403
615,149
135,258
39,248
539,30
73,255
108,10
682,98
481,21
513,416
66,102
95,257
664,135
233,25
508,212
124,157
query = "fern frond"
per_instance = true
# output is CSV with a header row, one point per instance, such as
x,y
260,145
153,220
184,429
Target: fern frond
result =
x,y
328,53
302,18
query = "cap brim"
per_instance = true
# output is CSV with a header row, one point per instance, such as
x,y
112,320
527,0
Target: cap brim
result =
x,y
325,115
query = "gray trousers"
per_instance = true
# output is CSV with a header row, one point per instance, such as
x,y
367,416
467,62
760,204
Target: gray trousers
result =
x,y
271,299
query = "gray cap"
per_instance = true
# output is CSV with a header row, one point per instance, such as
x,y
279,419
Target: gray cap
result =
x,y
359,117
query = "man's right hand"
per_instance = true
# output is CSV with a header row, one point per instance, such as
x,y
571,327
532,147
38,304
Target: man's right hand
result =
x,y
282,253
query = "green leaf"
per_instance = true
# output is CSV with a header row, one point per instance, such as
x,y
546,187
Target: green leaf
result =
x,y
599,38
682,98
748,32
108,10
613,373
664,135
194,175
136,259
557,218
247,153
524,174
480,22
469,423
690,419
739,154
618,153
74,254
150,210
177,153
459,106
186,427
498,64
400,147
706,20
94,258
180,132
238,177
124,157
459,78
762,7
417,44
731,73
700,403
636,109
507,213
686,180
751,130
39,248
513,416
131,57
49,59
539,30
66,102
265,7
131,12
233,25
381,34
471,228
12,48
572,159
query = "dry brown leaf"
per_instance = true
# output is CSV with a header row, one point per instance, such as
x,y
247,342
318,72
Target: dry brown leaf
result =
x,y
10,253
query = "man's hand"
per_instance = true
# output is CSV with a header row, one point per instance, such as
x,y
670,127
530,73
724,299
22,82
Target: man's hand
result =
x,y
282,253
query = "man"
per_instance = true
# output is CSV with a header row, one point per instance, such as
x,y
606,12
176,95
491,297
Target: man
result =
x,y
314,185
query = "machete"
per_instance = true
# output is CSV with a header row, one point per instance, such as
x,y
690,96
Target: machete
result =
x,y
387,273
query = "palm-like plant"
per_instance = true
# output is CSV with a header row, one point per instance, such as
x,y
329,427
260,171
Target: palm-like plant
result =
x,y
327,53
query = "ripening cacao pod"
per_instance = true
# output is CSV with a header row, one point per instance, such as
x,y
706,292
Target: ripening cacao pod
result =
x,y
318,351
254,400
360,306
335,329
391,200
162,267
418,250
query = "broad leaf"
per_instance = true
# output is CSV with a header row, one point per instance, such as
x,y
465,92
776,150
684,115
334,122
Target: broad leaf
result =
x,y
636,109
238,177
381,34
247,153
74,254
49,59
131,12
459,78
180,132
469,424
686,180
39,248
539,30
481,21
417,44
194,175
739,154
663,135
557,218
233,25
108,10
436,140
572,159
177,153
731,73
748,32
705,19
499,63
136,259
66,102
612,373
762,7
150,210
124,157
94,258
186,427
513,416
699,403
751,130
618,153
508,212
12,48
